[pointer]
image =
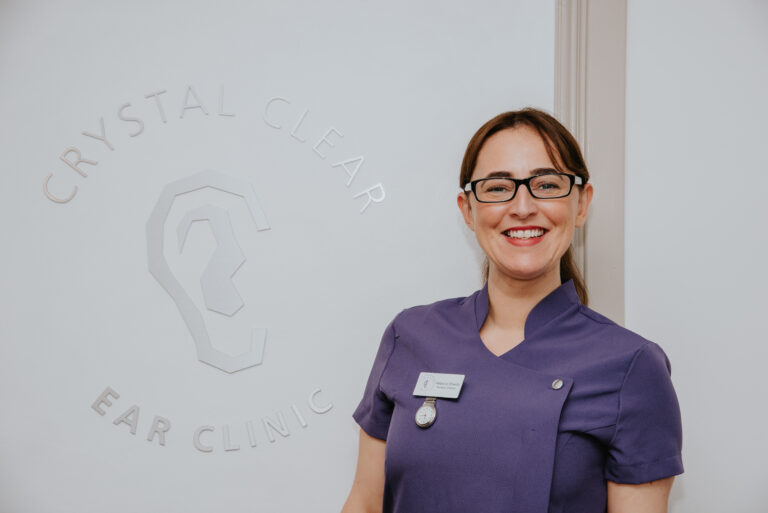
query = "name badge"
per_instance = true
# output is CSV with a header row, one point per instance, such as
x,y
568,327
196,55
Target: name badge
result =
x,y
434,384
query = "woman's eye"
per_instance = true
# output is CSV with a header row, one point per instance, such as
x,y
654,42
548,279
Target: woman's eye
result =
x,y
550,183
498,187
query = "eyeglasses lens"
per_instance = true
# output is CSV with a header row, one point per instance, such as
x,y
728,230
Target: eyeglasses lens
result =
x,y
542,186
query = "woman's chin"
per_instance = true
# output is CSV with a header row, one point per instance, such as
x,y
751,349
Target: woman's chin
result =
x,y
527,273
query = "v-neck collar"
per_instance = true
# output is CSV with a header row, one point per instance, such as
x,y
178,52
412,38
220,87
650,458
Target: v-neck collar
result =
x,y
552,305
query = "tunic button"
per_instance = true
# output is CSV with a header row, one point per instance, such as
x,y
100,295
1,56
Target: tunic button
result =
x,y
557,384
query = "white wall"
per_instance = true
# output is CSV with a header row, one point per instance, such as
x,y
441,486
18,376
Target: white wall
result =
x,y
407,83
696,240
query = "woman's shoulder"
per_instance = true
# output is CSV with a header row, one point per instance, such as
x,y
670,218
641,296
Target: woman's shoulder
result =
x,y
458,311
610,336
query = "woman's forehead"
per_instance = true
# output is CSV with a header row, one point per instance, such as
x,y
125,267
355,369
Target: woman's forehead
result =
x,y
519,152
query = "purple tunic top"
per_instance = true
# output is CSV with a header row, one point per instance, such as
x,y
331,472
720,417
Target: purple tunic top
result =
x,y
514,441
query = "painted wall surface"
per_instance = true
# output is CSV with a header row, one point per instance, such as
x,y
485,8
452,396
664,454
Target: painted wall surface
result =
x,y
210,212
697,246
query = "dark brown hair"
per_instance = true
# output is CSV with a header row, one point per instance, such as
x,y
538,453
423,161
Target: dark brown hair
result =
x,y
563,151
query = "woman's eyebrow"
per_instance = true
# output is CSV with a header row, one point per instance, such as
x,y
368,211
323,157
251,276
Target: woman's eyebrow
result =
x,y
532,172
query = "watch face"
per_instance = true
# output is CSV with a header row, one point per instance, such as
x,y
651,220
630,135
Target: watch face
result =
x,y
425,415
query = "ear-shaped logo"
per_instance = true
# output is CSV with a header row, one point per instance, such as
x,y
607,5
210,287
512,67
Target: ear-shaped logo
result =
x,y
219,293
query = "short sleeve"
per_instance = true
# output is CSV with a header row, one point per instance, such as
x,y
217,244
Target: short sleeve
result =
x,y
647,442
375,409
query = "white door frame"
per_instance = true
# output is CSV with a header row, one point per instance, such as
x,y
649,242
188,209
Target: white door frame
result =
x,y
590,69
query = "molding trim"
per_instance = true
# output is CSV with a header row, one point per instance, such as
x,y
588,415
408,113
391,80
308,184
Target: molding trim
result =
x,y
571,65
571,84
590,70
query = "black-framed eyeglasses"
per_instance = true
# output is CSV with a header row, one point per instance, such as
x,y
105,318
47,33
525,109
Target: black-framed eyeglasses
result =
x,y
498,189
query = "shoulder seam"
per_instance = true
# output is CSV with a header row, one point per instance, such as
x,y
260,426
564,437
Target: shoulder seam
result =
x,y
583,310
391,352
621,388
600,427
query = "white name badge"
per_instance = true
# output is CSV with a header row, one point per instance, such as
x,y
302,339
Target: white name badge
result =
x,y
434,384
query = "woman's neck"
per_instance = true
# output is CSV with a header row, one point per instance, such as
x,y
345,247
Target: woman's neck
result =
x,y
510,300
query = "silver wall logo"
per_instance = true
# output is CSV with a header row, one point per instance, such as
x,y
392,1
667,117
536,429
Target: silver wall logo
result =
x,y
218,290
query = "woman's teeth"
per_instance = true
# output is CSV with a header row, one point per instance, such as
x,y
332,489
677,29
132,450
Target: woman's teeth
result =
x,y
524,234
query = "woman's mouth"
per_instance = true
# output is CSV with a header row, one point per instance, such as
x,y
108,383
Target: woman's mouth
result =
x,y
526,236
516,233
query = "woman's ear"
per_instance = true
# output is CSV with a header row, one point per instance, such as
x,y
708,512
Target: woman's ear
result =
x,y
462,200
585,198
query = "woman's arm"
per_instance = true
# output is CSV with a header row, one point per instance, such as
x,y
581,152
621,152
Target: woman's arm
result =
x,y
368,487
650,497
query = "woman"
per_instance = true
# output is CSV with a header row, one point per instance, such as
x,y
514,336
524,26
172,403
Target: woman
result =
x,y
560,410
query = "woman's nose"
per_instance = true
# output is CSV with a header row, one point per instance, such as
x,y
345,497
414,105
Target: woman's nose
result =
x,y
523,204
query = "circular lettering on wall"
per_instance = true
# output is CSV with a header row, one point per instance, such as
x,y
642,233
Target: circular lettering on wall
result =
x,y
220,295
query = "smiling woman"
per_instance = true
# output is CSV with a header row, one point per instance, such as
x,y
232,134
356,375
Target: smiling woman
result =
x,y
519,152
560,410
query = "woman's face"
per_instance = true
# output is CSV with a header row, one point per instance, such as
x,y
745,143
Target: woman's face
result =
x,y
520,151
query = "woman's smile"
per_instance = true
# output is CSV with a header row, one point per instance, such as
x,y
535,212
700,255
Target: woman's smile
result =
x,y
524,235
